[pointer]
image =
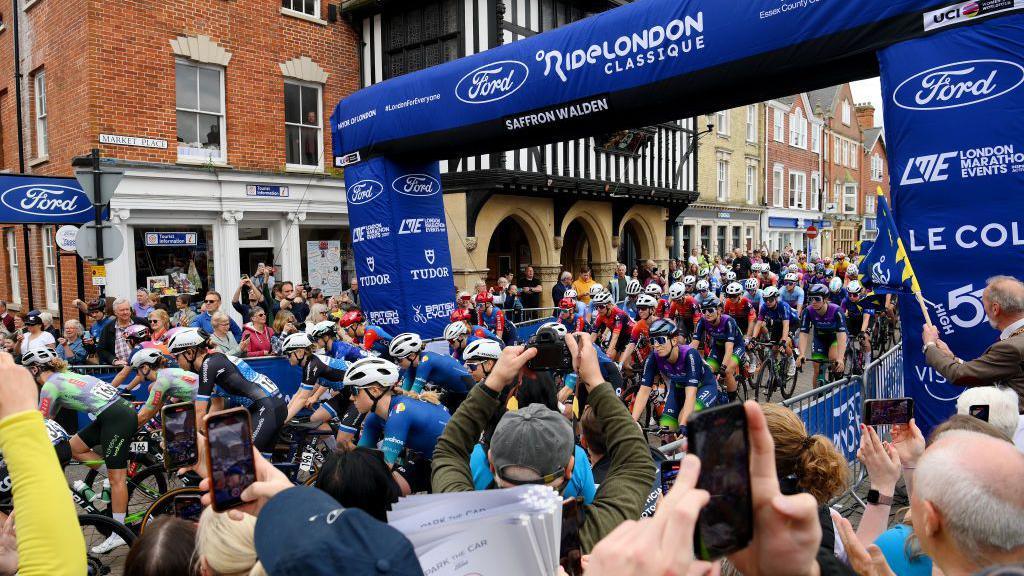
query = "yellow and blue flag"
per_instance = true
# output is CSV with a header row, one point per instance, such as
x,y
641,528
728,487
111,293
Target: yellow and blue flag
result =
x,y
887,265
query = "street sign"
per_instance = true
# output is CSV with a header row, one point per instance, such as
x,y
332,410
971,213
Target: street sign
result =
x,y
812,232
99,275
109,180
66,237
113,242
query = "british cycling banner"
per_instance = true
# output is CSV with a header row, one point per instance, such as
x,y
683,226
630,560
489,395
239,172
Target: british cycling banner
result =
x,y
646,62
400,239
954,124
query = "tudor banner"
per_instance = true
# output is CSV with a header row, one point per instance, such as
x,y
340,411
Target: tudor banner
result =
x,y
400,240
954,122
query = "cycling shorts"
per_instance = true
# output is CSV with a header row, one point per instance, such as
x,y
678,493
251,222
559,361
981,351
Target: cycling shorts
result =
x,y
113,430
718,353
416,472
708,396
821,344
268,416
853,324
775,331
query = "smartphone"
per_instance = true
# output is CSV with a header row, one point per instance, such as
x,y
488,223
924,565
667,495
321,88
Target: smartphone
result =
x,y
718,436
229,456
188,507
571,550
979,411
669,471
888,411
245,276
179,434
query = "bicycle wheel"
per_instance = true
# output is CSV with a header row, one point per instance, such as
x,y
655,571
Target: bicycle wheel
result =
x,y
145,488
785,382
96,529
763,380
164,505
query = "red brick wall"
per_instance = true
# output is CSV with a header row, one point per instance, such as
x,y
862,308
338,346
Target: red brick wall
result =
x,y
834,169
868,185
791,157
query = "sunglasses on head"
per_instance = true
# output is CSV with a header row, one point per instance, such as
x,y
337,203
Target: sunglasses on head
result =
x,y
659,340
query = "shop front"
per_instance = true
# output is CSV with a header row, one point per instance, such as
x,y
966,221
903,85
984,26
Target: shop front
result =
x,y
719,229
791,231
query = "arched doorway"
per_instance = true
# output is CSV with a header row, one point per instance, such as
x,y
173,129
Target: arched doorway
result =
x,y
629,246
576,252
508,252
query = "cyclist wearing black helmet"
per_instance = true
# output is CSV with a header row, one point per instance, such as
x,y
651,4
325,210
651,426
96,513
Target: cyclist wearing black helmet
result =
x,y
725,339
829,323
691,382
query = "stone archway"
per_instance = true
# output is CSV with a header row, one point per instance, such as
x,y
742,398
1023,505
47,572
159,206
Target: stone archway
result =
x,y
509,251
577,248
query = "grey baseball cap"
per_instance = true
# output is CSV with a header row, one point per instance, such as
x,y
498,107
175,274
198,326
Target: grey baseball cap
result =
x,y
532,445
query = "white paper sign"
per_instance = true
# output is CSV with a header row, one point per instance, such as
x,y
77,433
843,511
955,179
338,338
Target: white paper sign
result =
x,y
324,263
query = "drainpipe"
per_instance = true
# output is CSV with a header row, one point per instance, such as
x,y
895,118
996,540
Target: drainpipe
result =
x,y
17,88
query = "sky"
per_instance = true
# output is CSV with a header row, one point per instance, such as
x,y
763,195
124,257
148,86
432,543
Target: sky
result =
x,y
869,90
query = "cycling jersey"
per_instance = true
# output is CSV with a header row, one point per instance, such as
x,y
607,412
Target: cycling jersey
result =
x,y
686,308
376,339
76,392
811,280
325,371
855,312
618,321
780,313
172,383
229,377
496,322
689,369
841,268
663,306
440,370
827,323
575,324
741,310
640,337
770,280
838,298
794,298
724,331
345,351
756,298
411,423
478,332
630,307
702,298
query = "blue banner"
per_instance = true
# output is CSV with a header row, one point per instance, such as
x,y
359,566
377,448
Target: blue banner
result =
x,y
643,63
837,416
400,239
887,264
954,120
43,200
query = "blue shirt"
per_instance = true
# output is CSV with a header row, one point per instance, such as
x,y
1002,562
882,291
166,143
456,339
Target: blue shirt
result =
x,y
78,352
794,298
580,484
345,351
440,370
780,313
205,321
892,542
97,327
689,369
410,423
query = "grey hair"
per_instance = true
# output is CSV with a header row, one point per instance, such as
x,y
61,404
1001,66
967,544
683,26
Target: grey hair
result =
x,y
120,301
1008,292
1001,402
218,317
565,274
46,317
75,324
982,515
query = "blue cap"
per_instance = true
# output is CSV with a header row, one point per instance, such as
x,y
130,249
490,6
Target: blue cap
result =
x,y
304,532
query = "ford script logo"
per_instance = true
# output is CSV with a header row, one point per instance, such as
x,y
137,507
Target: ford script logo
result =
x,y
416,185
46,200
363,191
492,82
958,84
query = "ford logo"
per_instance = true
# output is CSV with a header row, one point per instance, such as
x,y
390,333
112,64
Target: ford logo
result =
x,y
51,200
364,191
416,185
492,82
958,84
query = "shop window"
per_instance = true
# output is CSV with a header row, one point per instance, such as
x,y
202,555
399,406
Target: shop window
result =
x,y
176,260
50,268
10,241
327,261
199,97
303,125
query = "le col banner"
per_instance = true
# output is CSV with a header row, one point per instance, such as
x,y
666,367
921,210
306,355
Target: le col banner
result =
x,y
43,200
955,136
643,63
400,242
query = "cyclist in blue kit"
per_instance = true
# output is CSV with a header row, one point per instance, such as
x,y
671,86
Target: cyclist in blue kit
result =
x,y
780,321
460,334
791,293
725,341
829,324
692,385
326,334
319,374
422,368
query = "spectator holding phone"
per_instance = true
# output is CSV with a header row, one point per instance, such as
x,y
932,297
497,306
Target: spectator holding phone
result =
x,y
996,405
291,300
70,347
246,298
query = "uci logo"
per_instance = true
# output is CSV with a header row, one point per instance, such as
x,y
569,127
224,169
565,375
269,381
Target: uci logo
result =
x,y
416,185
46,200
958,84
492,82
364,191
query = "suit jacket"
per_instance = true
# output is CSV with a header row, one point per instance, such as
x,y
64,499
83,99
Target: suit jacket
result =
x,y
1002,363
105,345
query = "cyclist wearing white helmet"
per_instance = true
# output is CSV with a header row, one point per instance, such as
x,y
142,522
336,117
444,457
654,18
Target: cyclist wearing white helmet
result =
x,y
740,308
638,341
422,368
169,385
460,334
852,273
703,292
325,334
633,290
753,292
792,294
837,294
688,281
581,308
766,277
779,321
320,373
480,357
610,317
730,276
683,311
860,311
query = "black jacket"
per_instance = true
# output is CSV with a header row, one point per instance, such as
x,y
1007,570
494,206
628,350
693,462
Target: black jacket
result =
x,y
105,346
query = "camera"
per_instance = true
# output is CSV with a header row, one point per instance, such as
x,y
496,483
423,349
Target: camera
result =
x,y
552,353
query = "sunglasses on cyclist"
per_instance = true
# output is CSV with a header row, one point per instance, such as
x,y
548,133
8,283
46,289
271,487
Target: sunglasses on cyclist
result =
x,y
600,307
708,310
472,366
659,340
790,283
771,298
817,298
644,308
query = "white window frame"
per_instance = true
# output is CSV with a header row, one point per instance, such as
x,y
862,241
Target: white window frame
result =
x,y
722,122
876,167
850,193
797,189
837,149
722,178
838,188
50,269
846,112
751,184
846,153
816,138
13,267
42,135
320,126
302,13
779,128
854,154
752,123
798,129
223,158
869,203
815,191
778,184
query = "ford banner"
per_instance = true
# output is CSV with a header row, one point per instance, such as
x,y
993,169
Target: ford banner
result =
x,y
43,200
955,136
646,62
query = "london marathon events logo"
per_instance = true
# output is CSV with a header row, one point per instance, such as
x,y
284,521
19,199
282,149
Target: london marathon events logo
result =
x,y
492,82
364,191
52,200
958,84
416,185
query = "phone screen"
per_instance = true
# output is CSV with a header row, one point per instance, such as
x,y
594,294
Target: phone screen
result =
x,y
571,551
188,507
232,466
669,471
889,411
179,432
718,436
980,411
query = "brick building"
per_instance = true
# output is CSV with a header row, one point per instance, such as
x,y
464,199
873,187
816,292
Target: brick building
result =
x,y
216,113
875,171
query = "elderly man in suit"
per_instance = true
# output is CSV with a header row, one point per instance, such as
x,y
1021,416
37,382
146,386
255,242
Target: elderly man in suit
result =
x,y
1003,362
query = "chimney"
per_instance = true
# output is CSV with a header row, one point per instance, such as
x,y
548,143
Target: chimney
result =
x,y
865,116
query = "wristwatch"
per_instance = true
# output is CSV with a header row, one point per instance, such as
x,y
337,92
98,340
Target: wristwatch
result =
x,y
877,498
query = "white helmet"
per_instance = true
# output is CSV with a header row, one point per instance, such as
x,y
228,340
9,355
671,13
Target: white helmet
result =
x,y
751,284
794,268
38,356
771,292
851,270
703,285
704,272
367,372
646,300
792,277
734,289
835,285
854,287
482,349
677,291
570,293
677,275
405,344
324,328
186,340
634,287
296,341
653,289
596,289
455,330
602,298
145,356
689,280
730,276
558,327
